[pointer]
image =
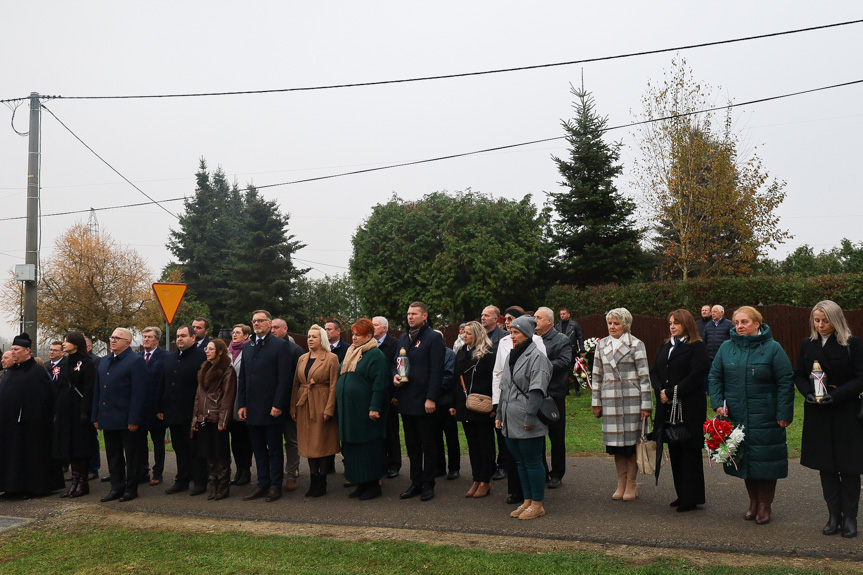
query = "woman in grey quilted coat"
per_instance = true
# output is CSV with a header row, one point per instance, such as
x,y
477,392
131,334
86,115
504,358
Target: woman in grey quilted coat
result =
x,y
621,396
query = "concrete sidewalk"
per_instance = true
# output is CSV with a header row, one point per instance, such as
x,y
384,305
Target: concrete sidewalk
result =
x,y
580,510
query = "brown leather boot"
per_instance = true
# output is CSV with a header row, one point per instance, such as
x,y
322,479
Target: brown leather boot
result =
x,y
752,489
766,492
82,487
472,489
223,488
483,490
72,486
620,464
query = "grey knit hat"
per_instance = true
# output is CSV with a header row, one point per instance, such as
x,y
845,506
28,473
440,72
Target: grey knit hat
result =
x,y
525,324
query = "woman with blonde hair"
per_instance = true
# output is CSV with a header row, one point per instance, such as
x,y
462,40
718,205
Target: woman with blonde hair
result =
x,y
621,396
752,384
474,365
313,407
832,435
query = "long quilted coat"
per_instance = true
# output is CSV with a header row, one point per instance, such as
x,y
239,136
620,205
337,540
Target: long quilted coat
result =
x,y
754,376
621,386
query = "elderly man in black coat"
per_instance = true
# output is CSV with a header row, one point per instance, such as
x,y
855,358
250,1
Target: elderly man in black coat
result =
x,y
264,392
118,404
26,427
558,349
389,346
176,408
418,399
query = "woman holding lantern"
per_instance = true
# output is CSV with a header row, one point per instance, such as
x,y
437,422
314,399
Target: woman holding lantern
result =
x,y
829,374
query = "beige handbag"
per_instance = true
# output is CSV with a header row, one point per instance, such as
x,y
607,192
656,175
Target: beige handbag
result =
x,y
476,402
645,451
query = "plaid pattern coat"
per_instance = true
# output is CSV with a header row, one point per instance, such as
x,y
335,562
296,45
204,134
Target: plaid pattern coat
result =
x,y
621,386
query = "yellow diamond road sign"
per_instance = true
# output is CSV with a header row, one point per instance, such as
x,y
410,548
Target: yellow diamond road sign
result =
x,y
169,296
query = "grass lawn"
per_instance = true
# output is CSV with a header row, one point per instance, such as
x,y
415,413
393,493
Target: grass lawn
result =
x,y
91,548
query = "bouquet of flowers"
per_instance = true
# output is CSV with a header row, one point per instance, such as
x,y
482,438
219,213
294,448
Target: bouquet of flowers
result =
x,y
581,373
590,345
722,441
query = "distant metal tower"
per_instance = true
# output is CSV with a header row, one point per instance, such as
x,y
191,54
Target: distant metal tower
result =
x,y
93,223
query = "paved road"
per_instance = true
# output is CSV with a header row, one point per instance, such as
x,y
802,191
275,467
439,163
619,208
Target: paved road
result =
x,y
581,510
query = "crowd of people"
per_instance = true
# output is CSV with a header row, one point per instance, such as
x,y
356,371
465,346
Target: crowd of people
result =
x,y
505,380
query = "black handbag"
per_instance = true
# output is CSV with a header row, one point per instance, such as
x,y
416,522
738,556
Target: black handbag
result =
x,y
548,412
674,430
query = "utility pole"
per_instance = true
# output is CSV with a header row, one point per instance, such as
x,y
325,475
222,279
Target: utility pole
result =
x,y
32,256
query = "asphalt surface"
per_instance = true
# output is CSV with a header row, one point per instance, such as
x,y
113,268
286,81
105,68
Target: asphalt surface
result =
x,y
580,510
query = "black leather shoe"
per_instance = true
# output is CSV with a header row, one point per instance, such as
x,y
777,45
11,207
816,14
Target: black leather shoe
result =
x,y
92,476
198,490
412,491
128,496
256,494
112,496
176,488
514,499
674,503
686,507
849,527
500,473
392,473
833,524
275,492
428,494
244,478
452,475
554,483
106,479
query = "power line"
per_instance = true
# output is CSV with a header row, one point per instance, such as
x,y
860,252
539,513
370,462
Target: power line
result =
x,y
104,161
459,155
456,75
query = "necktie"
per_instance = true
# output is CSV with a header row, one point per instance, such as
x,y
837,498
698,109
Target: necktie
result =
x,y
147,357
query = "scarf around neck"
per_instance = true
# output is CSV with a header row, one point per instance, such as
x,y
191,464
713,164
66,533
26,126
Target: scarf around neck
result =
x,y
355,354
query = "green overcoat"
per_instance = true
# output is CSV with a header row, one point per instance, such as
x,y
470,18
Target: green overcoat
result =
x,y
361,391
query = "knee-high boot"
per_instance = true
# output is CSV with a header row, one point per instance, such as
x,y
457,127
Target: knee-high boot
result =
x,y
631,491
766,492
752,490
620,464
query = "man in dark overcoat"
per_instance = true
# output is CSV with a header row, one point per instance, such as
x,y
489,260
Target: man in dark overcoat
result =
x,y
390,347
418,399
558,349
177,407
118,402
264,392
26,427
154,356
279,328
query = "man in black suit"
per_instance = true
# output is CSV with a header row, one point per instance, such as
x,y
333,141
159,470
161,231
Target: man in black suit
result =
x,y
279,328
201,327
176,409
570,328
418,399
118,401
390,348
264,394
333,327
154,357
706,318
56,360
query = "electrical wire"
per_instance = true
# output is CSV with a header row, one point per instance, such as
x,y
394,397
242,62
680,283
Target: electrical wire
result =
x,y
104,161
455,75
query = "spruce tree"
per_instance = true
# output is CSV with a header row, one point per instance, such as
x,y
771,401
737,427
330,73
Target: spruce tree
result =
x,y
593,227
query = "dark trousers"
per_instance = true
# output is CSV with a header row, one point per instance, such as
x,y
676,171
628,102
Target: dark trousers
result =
x,y
292,455
447,427
241,445
123,452
557,436
687,471
528,457
841,492
421,447
480,448
393,441
218,449
504,457
190,467
96,460
157,435
269,457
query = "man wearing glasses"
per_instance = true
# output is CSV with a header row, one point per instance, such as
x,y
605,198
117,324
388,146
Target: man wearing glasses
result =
x,y
118,403
264,391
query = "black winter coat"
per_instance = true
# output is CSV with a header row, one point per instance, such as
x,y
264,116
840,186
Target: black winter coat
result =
x,y
426,356
265,380
74,434
832,435
685,369
558,350
715,335
477,376
181,385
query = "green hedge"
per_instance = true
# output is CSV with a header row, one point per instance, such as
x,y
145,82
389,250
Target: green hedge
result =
x,y
656,298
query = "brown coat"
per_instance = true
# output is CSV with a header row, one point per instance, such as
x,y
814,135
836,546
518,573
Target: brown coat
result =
x,y
312,399
214,400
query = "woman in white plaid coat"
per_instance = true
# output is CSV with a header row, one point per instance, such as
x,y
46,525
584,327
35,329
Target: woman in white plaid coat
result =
x,y
621,396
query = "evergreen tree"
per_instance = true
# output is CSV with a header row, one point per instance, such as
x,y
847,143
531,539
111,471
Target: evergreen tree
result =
x,y
593,229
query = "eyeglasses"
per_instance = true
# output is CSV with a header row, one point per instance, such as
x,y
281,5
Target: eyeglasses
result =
x,y
236,333
115,338
260,321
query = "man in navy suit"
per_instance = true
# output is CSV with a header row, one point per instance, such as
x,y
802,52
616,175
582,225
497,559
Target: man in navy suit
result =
x,y
279,328
118,402
390,348
154,357
263,395
201,326
418,399
333,327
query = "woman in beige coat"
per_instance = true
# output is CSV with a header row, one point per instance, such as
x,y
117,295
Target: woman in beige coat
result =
x,y
313,407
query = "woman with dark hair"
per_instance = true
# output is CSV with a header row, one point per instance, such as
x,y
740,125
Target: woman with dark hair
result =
x,y
74,435
313,407
214,406
361,394
678,372
752,384
241,445
474,364
832,435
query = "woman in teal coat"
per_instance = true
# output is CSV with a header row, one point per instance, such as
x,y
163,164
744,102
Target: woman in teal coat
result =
x,y
752,384
361,396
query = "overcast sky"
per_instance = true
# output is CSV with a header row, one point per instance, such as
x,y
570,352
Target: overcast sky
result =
x,y
103,48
